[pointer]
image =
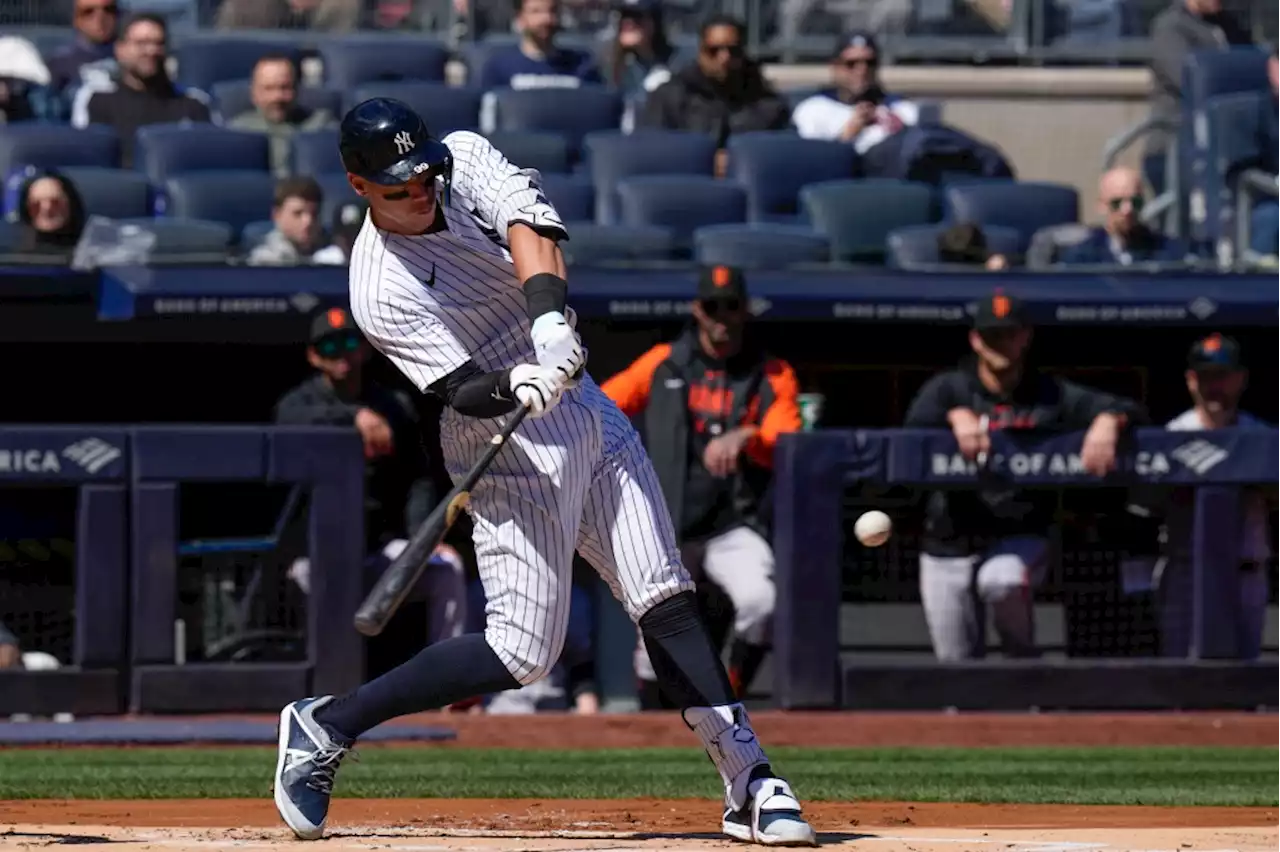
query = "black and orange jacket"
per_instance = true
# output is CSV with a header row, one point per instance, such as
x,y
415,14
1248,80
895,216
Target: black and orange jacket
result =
x,y
677,395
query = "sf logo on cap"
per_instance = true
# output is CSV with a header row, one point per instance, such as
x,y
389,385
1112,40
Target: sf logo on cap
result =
x,y
404,142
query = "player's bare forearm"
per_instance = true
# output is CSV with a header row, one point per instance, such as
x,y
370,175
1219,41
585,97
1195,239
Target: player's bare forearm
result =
x,y
532,253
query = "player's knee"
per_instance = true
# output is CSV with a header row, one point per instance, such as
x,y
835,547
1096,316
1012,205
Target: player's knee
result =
x,y
1005,576
529,658
753,610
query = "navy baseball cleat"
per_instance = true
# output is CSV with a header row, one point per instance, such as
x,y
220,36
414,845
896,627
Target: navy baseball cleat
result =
x,y
771,816
309,759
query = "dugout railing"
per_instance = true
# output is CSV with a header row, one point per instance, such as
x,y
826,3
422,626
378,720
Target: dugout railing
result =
x,y
815,471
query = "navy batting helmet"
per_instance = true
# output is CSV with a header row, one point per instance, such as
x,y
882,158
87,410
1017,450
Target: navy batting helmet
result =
x,y
385,142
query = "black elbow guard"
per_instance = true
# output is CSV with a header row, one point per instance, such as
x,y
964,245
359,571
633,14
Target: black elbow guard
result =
x,y
469,391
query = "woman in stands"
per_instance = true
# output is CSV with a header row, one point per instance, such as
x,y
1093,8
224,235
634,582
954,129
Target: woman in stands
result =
x,y
50,215
637,60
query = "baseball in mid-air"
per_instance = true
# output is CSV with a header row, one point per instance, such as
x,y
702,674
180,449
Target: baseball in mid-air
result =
x,y
873,528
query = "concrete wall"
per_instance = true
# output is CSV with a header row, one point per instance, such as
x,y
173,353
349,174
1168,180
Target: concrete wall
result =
x,y
1052,123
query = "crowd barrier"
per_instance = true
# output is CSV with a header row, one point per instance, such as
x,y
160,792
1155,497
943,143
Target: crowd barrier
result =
x,y
814,469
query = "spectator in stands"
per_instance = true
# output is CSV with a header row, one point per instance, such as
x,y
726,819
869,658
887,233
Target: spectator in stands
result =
x,y
990,545
141,92
90,57
25,90
1265,229
297,234
1123,238
1183,28
964,244
639,56
50,214
723,93
348,219
1216,377
320,15
276,111
399,488
714,403
857,109
537,62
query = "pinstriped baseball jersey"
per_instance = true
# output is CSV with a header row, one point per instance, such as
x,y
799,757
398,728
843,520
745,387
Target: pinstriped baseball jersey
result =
x,y
576,478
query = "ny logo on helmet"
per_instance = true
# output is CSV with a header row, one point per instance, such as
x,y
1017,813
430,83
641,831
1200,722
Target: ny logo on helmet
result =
x,y
404,142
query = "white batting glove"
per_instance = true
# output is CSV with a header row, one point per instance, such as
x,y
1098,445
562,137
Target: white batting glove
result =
x,y
536,387
558,346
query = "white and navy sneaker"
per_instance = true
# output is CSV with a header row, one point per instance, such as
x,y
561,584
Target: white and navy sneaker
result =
x,y
771,816
309,759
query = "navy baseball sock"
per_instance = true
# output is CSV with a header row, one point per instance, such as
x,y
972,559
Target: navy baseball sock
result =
x,y
435,677
688,668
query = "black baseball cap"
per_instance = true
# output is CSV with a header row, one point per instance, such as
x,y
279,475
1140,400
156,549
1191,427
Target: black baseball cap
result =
x,y
856,38
1216,351
348,218
721,283
1000,311
330,323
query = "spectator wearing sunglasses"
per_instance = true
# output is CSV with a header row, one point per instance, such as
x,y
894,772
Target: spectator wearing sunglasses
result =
x,y
400,489
712,405
1123,239
722,93
856,110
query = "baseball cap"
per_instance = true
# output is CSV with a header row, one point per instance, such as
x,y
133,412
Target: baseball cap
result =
x,y
637,7
721,283
332,322
1000,311
1215,351
855,38
348,218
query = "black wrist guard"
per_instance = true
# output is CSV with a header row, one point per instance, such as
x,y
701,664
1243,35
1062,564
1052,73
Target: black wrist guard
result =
x,y
545,293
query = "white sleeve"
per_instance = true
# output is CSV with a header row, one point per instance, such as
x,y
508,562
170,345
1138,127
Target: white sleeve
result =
x,y
500,193
392,308
908,111
806,117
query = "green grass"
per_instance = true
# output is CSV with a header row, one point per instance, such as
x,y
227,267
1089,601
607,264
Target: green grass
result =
x,y
1110,776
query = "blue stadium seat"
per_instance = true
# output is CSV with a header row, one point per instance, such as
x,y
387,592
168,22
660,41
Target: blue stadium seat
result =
x,y
337,191
445,108
759,246
165,150
590,244
546,152
1025,207
572,112
917,245
350,62
316,153
114,193
612,155
773,166
572,196
857,215
51,145
177,236
476,53
1207,73
205,60
234,197
682,203
8,236
254,233
231,98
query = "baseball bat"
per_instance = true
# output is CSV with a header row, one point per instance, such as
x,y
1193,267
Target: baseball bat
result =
x,y
403,573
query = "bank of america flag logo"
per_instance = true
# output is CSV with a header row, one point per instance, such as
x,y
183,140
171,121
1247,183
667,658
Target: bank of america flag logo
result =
x,y
92,454
1200,456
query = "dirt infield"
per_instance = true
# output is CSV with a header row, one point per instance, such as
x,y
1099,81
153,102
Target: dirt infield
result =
x,y
443,825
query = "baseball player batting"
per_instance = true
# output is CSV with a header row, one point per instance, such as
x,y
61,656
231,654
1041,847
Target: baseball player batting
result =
x,y
457,277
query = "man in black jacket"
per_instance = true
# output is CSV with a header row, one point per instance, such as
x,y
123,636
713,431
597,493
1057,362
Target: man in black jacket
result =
x,y
993,541
399,488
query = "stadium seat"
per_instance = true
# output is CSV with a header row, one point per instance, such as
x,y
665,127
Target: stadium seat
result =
x,y
1025,207
254,233
316,153
185,236
857,215
114,193
546,152
231,98
337,190
475,54
572,112
917,245
8,236
205,60
759,246
445,108
350,62
51,145
611,156
572,196
234,197
165,150
590,243
682,203
773,166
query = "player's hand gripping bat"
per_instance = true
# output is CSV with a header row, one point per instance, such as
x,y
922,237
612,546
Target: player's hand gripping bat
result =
x,y
402,575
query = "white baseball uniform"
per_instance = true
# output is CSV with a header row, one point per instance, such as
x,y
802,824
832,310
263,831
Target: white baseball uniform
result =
x,y
577,477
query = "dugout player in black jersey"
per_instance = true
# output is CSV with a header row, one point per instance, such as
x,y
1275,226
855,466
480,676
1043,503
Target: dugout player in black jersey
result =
x,y
989,547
